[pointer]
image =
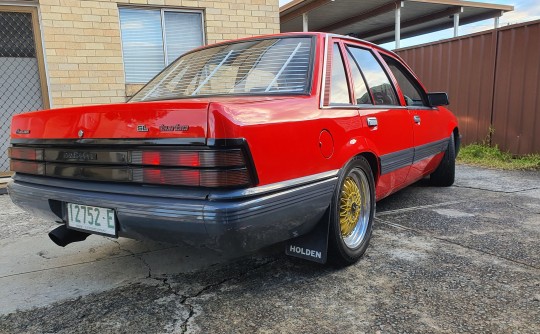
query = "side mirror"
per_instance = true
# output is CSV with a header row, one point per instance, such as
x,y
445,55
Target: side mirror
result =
x,y
438,99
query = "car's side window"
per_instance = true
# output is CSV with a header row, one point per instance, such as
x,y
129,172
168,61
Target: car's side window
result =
x,y
414,95
361,93
339,88
378,82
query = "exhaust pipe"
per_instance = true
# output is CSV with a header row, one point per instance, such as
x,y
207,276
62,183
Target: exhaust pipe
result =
x,y
63,236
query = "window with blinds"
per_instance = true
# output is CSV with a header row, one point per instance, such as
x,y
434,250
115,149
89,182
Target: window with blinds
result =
x,y
267,66
154,38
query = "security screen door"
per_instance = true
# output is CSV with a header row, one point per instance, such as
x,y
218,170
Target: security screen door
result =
x,y
21,86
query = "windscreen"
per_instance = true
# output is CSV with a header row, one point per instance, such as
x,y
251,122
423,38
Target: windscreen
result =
x,y
269,66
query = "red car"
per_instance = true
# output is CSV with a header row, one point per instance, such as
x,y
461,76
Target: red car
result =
x,y
241,144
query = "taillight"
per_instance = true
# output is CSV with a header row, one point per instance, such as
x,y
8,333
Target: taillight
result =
x,y
193,166
225,178
25,153
176,158
28,167
193,177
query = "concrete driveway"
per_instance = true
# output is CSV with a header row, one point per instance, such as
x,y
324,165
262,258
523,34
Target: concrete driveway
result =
x,y
459,259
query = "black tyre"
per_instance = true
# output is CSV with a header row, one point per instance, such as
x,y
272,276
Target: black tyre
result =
x,y
445,174
351,213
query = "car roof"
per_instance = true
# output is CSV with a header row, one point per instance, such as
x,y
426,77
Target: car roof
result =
x,y
296,34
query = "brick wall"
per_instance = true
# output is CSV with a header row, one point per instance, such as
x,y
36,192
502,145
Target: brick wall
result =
x,y
83,46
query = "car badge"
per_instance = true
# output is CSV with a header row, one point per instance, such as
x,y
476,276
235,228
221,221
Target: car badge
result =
x,y
22,132
80,133
173,128
142,128
79,156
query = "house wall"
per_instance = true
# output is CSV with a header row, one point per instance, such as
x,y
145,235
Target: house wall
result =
x,y
83,50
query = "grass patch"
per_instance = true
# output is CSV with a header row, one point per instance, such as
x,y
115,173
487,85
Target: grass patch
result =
x,y
493,157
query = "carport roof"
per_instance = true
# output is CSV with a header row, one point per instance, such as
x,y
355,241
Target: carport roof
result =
x,y
374,20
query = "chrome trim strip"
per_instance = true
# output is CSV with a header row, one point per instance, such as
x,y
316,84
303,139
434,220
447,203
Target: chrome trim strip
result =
x,y
366,107
354,39
108,142
325,60
271,188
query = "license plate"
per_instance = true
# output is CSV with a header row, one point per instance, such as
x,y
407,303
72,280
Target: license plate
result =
x,y
91,218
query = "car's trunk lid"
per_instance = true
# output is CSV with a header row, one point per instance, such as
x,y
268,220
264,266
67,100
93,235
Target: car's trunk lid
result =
x,y
181,119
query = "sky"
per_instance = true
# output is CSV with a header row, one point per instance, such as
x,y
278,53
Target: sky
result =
x,y
524,10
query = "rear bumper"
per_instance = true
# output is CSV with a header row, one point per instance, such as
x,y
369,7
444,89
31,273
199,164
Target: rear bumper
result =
x,y
247,219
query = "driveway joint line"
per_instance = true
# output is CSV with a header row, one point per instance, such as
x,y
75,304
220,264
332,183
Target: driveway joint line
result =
x,y
428,234
85,262
389,212
497,191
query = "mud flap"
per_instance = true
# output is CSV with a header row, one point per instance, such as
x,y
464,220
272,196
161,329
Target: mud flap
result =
x,y
312,246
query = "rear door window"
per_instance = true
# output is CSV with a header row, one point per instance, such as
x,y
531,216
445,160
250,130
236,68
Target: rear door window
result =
x,y
377,80
361,92
413,94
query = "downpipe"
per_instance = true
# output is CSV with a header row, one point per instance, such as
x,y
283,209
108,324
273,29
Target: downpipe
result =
x,y
63,236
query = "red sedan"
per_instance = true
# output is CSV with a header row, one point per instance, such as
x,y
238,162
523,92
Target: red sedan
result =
x,y
241,144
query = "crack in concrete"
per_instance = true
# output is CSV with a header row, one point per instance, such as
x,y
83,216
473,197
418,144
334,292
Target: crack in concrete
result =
x,y
136,255
186,298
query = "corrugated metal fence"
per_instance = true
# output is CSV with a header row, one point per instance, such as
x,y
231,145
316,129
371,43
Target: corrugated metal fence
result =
x,y
493,81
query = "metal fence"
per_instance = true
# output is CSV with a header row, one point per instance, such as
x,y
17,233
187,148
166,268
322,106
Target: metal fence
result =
x,y
493,80
20,85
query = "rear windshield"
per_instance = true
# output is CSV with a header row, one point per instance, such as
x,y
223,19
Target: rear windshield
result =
x,y
258,67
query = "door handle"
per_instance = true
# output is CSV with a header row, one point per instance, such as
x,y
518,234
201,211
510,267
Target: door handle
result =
x,y
372,122
417,119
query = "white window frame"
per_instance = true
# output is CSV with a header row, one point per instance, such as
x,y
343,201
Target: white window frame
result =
x,y
163,30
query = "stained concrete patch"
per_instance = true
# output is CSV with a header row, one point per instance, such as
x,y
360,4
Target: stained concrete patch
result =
x,y
535,193
498,227
117,311
496,180
450,213
157,304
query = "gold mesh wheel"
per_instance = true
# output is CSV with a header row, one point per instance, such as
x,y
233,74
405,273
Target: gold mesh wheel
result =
x,y
354,208
349,207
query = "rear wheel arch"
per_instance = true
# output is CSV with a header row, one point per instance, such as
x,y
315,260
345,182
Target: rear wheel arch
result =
x,y
457,139
444,175
374,163
348,240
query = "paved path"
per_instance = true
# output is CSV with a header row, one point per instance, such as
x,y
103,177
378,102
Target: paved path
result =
x,y
458,259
